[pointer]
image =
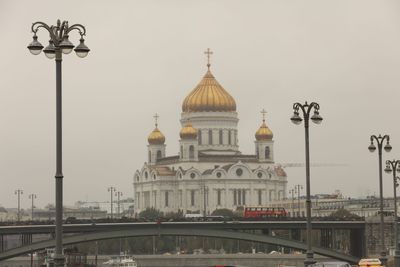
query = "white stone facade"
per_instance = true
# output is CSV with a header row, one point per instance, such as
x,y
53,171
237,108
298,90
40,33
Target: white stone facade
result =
x,y
181,185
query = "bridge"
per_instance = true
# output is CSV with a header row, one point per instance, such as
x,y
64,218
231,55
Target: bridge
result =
x,y
240,230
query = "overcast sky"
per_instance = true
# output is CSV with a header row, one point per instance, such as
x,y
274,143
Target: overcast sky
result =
x,y
146,56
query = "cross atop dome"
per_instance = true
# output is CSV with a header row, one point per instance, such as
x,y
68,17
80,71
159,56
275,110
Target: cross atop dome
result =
x,y
156,116
208,53
263,112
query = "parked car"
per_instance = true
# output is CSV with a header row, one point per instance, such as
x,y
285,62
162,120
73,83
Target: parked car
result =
x,y
331,264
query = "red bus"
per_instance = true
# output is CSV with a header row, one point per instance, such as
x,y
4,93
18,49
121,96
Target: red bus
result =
x,y
263,212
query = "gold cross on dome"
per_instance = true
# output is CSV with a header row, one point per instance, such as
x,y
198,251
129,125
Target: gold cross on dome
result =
x,y
208,53
263,112
156,116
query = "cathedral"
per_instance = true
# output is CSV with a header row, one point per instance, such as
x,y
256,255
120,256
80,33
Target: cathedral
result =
x,y
209,172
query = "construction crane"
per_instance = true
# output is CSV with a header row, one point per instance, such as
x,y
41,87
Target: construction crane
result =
x,y
294,165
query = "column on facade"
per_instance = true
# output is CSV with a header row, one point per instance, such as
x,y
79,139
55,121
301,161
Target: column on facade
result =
x,y
251,201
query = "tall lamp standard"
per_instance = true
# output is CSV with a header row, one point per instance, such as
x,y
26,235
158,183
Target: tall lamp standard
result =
x,y
19,192
291,191
394,166
297,189
58,44
296,119
205,192
32,197
111,189
118,195
380,140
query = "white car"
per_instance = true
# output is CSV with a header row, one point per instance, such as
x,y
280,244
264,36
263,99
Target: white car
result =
x,y
330,264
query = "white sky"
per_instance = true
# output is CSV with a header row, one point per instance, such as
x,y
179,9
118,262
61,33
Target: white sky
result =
x,y
146,56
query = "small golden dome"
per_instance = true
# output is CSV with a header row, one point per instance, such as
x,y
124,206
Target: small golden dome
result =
x,y
264,133
188,132
156,137
208,95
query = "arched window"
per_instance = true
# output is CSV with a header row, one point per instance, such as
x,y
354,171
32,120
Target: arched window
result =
x,y
181,152
149,156
267,152
191,152
210,137
257,152
229,137
158,154
199,137
220,137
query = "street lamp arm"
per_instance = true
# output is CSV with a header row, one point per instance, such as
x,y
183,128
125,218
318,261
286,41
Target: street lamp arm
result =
x,y
51,29
306,108
297,106
313,105
379,139
39,24
394,164
78,27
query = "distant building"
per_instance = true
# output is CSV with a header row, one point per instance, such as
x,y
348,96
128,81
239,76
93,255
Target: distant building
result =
x,y
125,207
11,214
3,214
323,205
79,213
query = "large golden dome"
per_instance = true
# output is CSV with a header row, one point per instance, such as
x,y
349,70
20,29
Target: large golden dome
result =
x,y
264,133
188,132
208,95
156,137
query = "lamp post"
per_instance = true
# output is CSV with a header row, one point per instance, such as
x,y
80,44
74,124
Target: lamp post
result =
x,y
394,166
32,197
291,191
296,119
58,44
111,189
118,194
204,190
19,192
297,189
380,140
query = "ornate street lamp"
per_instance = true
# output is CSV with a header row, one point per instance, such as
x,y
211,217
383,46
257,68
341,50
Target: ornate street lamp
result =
x,y
394,166
32,197
292,191
380,140
111,189
58,44
297,190
19,192
119,195
297,119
